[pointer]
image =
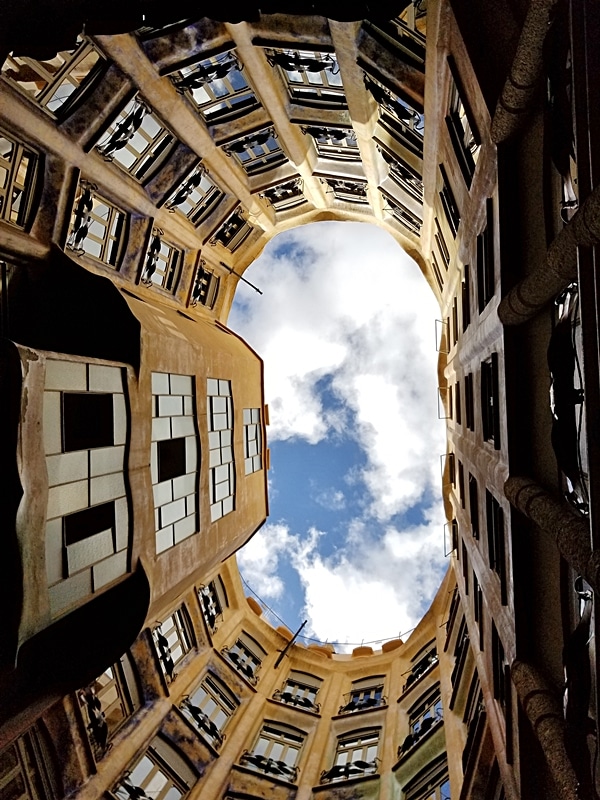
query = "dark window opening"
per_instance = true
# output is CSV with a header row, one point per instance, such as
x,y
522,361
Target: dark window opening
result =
x,y
485,260
457,403
469,407
83,524
87,421
495,534
490,411
466,299
474,505
449,203
171,459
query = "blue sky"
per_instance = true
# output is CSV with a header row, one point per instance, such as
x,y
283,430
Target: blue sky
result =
x,y
346,326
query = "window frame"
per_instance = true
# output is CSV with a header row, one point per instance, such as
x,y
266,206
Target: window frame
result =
x,y
224,704
113,242
181,633
352,747
25,185
221,453
276,736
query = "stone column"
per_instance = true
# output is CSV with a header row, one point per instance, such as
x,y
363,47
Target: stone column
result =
x,y
559,268
523,78
569,532
543,710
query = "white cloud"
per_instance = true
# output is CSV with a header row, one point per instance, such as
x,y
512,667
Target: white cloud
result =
x,y
350,310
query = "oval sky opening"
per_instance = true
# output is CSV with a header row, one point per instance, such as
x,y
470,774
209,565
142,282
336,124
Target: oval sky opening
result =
x,y
346,327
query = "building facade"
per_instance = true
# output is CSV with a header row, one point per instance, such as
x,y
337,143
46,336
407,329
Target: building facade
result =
x,y
144,166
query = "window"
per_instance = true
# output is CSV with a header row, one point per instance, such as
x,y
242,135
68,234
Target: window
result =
x,y
469,403
163,263
474,505
405,217
404,176
349,191
423,717
366,693
257,152
461,127
87,519
431,783
209,708
18,173
465,567
422,663
461,651
233,232
437,272
495,537
455,320
501,670
56,83
449,204
285,195
338,144
252,440
457,403
161,774
300,690
108,702
466,298
26,769
220,442
478,608
196,197
313,78
490,401
461,482
173,639
485,260
137,141
441,243
276,751
217,88
355,756
206,286
398,117
213,600
174,458
246,655
97,229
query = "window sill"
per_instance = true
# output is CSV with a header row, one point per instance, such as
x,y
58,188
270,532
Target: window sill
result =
x,y
360,711
341,784
295,708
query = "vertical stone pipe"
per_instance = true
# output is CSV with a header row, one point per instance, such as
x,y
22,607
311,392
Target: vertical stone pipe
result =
x,y
570,533
558,269
543,710
524,75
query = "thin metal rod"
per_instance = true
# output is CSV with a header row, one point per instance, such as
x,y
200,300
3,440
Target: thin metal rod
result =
x,y
288,645
241,277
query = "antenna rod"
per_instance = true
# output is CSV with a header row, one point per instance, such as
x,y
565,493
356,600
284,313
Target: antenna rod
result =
x,y
288,645
241,277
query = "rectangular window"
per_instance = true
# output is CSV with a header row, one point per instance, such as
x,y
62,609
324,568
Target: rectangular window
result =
x,y
233,232
461,127
431,783
465,567
87,420
257,152
490,401
173,639
469,402
246,655
206,286
196,197
474,505
174,459
461,483
449,204
213,600
285,195
455,320
405,123
18,175
366,693
25,769
313,78
458,403
355,755
98,229
252,440
56,83
338,144
137,141
466,298
423,717
276,752
108,702
485,260
300,690
404,175
478,608
161,774
217,88
441,243
220,443
163,263
422,663
209,708
501,669
404,216
437,272
495,537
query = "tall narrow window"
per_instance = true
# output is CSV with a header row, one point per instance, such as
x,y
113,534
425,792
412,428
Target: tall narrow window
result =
x,y
485,260
276,752
500,669
173,638
466,298
430,783
458,403
206,286
461,127
355,755
469,402
246,655
423,717
57,83
461,483
26,769
163,263
495,536
98,228
18,174
161,774
449,203
252,440
196,197
474,505
220,442
490,400
137,141
213,600
174,458
422,662
209,708
233,232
